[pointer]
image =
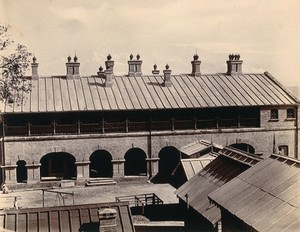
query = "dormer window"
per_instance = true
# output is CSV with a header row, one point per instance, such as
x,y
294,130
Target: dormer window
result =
x,y
290,113
274,114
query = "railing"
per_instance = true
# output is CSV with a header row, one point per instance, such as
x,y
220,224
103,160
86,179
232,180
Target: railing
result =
x,y
128,126
141,200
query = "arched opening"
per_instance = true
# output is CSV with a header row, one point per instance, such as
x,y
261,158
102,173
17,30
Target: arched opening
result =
x,y
21,171
135,162
58,164
169,158
101,165
244,147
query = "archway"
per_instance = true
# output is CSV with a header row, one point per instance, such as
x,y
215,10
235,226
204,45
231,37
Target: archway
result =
x,y
101,165
58,164
244,147
135,162
21,171
169,158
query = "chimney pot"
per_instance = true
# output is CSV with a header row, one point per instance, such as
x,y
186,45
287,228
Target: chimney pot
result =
x,y
155,71
72,68
196,66
109,57
34,69
109,72
167,77
234,65
135,66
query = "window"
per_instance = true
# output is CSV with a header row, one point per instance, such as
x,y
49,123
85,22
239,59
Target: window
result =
x,y
283,150
290,113
274,114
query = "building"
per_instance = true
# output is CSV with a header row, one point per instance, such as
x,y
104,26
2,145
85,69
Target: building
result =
x,y
263,198
201,215
73,127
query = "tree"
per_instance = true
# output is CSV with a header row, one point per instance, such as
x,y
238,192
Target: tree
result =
x,y
13,66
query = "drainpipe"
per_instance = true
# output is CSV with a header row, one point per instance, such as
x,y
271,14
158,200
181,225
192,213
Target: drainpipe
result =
x,y
3,149
297,133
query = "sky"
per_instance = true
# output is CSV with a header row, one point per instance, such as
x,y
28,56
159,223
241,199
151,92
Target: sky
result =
x,y
266,34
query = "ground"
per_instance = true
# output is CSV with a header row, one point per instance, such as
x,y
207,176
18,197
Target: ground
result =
x,y
86,195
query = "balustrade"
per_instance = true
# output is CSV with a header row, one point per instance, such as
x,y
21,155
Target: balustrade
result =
x,y
129,126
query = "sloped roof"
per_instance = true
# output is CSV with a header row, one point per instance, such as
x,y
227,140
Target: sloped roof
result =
x,y
266,196
64,218
52,94
193,166
218,172
197,146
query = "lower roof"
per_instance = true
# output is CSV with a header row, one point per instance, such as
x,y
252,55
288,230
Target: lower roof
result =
x,y
64,218
229,164
266,196
60,94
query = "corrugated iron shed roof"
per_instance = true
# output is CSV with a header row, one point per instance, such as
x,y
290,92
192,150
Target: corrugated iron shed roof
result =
x,y
218,172
192,166
57,94
195,147
64,218
266,196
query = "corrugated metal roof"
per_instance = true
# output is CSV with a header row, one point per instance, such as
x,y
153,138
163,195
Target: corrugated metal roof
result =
x,y
64,218
51,94
193,166
197,146
266,196
218,172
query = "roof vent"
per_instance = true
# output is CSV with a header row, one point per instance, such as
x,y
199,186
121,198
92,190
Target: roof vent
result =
x,y
109,72
234,65
72,68
135,66
155,71
167,77
196,66
34,68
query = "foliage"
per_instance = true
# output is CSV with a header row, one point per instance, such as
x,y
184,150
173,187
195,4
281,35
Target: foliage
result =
x,y
13,67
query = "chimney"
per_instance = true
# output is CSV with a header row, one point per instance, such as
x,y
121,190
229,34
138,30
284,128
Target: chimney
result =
x,y
100,73
155,71
107,220
196,66
73,68
34,68
167,77
135,66
234,65
109,72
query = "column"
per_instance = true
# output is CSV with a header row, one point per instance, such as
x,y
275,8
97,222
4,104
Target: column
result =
x,y
118,168
83,172
152,164
33,173
10,174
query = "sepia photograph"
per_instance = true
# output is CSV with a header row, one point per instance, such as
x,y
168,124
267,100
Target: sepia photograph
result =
x,y
150,116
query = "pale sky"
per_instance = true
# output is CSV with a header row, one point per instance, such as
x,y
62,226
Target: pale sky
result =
x,y
265,33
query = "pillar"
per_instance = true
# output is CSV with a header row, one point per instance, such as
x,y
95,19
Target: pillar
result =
x,y
118,168
10,172
152,166
33,173
83,172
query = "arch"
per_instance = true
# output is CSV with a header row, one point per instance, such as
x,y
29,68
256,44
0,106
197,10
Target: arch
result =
x,y
244,147
101,165
135,162
59,165
21,171
169,158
